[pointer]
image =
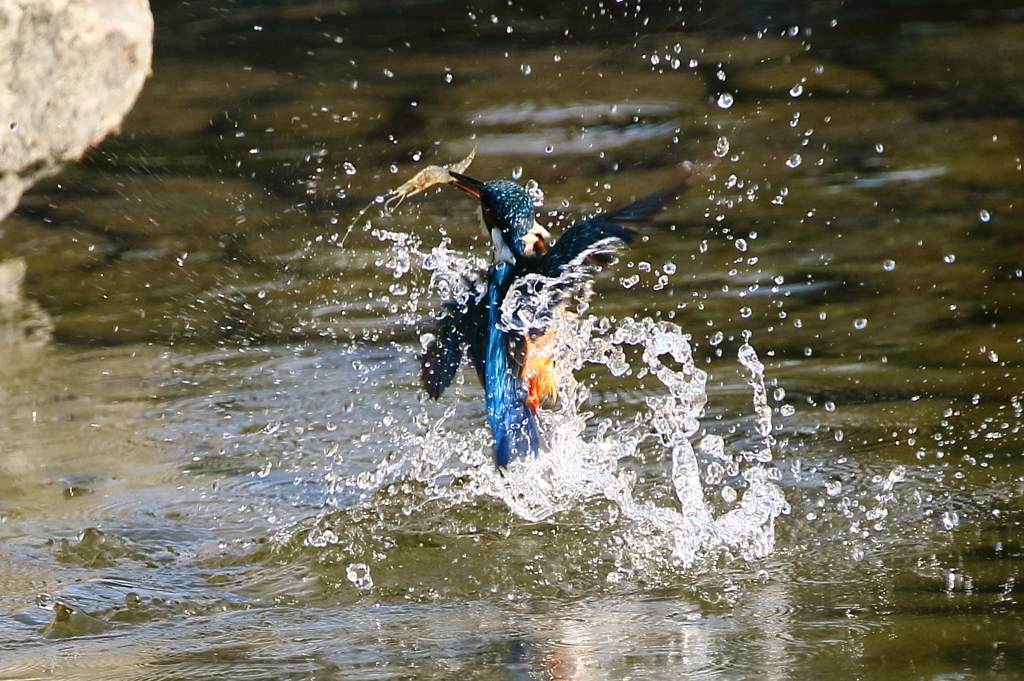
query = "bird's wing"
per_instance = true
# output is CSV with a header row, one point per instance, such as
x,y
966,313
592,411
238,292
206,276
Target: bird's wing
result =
x,y
458,327
592,241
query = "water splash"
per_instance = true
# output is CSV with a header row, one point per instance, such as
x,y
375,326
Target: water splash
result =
x,y
592,461
636,480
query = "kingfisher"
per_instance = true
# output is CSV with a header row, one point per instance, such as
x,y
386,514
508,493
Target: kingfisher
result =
x,y
507,327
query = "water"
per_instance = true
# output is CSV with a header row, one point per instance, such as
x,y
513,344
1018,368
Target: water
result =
x,y
771,457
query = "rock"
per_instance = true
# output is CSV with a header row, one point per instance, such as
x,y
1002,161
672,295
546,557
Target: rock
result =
x,y
71,71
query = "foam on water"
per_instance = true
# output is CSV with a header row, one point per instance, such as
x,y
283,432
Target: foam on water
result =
x,y
589,460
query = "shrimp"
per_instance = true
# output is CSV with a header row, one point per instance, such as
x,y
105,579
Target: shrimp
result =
x,y
425,179
430,176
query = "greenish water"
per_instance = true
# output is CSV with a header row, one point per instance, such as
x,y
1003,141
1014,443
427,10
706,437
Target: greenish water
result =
x,y
222,466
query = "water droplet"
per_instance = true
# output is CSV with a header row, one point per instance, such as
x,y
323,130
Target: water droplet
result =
x,y
389,73
779,394
830,406
725,100
808,351
655,60
796,90
669,268
860,323
992,356
359,575
794,160
838,435
517,172
787,410
549,148
693,64
447,77
879,148
888,265
741,245
745,312
525,68
349,168
722,147
716,338
728,494
833,488
984,215
949,259
950,519
536,193
630,282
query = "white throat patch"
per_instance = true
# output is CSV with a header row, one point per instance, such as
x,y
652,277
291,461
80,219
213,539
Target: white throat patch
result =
x,y
502,253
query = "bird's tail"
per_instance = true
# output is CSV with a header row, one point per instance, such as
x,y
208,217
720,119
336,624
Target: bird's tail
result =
x,y
516,434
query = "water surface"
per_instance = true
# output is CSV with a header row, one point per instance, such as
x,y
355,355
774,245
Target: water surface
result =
x,y
221,465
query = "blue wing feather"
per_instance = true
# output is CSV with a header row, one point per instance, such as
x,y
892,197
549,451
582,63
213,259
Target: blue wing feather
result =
x,y
457,328
592,241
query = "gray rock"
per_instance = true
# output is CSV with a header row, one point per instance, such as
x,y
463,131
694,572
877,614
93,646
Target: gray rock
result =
x,y
69,72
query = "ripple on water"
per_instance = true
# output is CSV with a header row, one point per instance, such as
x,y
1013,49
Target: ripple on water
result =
x,y
597,138
611,638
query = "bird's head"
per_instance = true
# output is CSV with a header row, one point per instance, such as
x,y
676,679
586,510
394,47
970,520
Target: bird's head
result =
x,y
506,214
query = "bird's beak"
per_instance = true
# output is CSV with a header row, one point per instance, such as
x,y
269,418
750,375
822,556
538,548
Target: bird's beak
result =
x,y
468,184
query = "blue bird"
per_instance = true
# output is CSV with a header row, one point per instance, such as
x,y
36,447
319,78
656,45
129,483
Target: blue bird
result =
x,y
511,349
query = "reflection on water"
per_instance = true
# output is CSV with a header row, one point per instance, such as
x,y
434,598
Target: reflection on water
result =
x,y
23,324
790,440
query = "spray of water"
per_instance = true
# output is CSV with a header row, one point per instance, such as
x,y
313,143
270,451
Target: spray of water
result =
x,y
590,460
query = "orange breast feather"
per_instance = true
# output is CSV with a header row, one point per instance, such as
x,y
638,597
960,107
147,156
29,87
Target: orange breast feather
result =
x,y
539,371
